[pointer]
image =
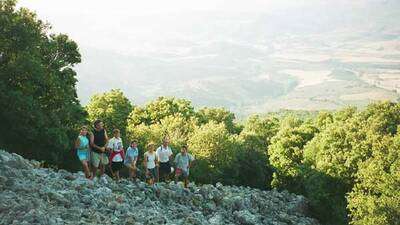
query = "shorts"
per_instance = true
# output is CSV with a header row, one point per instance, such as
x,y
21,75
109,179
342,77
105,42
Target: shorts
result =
x,y
152,173
116,166
98,158
83,155
179,172
165,168
128,163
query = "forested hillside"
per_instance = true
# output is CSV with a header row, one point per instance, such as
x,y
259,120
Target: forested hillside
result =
x,y
345,162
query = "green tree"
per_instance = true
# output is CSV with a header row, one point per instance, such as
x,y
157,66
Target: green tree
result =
x,y
218,115
112,107
261,130
338,151
145,134
286,152
252,156
214,149
177,128
375,199
39,107
160,108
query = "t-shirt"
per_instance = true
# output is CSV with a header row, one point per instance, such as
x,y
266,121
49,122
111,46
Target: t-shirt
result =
x,y
163,154
99,137
83,143
131,155
151,159
182,161
116,145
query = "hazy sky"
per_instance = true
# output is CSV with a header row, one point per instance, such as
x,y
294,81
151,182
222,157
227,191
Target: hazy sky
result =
x,y
102,24
151,32
48,7
86,21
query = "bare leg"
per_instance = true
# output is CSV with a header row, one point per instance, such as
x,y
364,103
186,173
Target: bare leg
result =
x,y
86,169
117,175
150,181
112,172
131,171
158,175
186,181
134,171
94,171
101,168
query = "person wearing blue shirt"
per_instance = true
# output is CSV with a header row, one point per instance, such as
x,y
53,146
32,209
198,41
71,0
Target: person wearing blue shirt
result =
x,y
131,157
82,150
183,162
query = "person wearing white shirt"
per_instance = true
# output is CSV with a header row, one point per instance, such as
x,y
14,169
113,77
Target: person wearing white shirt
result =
x,y
117,153
150,163
164,155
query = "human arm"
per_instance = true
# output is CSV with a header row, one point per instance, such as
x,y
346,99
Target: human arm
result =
x,y
93,145
145,161
170,155
176,159
135,158
131,157
105,135
191,159
77,143
110,145
106,138
133,164
157,162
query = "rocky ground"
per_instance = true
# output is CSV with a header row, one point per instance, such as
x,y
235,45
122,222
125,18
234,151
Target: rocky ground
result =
x,y
33,195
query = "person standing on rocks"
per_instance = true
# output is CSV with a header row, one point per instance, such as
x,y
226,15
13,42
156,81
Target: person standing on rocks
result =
x,y
98,142
131,158
164,154
116,148
150,163
82,150
183,162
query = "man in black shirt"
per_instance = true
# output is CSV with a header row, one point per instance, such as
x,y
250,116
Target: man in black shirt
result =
x,y
98,142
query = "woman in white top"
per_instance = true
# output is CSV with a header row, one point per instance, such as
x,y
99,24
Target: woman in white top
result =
x,y
150,162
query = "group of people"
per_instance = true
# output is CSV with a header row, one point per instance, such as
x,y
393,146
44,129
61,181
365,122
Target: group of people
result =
x,y
96,151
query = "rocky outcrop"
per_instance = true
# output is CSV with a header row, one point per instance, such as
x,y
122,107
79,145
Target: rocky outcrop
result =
x,y
33,195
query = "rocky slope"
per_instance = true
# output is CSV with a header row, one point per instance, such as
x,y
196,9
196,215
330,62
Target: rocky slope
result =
x,y
33,195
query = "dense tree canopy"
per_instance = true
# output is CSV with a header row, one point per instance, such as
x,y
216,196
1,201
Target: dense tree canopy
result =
x,y
111,107
39,105
375,199
218,115
212,143
162,107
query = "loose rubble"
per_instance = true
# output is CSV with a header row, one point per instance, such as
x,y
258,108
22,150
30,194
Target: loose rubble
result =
x,y
33,195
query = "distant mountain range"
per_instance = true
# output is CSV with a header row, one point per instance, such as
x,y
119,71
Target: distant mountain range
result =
x,y
323,56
